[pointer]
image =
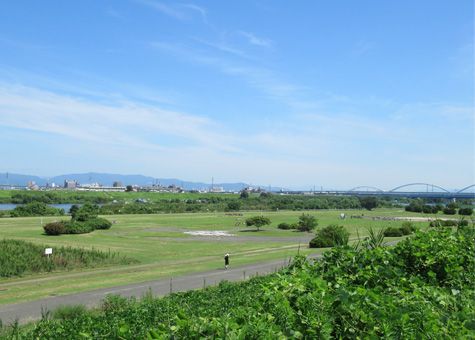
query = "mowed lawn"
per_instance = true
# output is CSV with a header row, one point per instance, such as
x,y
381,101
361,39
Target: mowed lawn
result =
x,y
163,249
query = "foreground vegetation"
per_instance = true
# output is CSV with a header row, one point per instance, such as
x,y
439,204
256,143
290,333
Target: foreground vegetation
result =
x,y
20,258
421,288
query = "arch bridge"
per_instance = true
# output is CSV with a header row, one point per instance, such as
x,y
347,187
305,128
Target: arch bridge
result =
x,y
365,188
417,184
466,188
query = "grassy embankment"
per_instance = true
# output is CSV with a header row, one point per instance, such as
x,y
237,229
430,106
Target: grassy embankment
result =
x,y
158,242
421,288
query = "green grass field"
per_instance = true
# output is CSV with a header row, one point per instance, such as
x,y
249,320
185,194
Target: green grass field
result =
x,y
162,248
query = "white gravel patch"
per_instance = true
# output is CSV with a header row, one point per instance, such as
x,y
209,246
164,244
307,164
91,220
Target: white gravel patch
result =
x,y
217,233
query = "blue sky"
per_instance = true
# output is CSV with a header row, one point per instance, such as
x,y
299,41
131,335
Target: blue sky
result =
x,y
288,93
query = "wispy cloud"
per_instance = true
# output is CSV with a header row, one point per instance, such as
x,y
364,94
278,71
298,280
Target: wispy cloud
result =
x,y
255,40
164,8
262,79
311,148
224,47
201,10
180,11
118,123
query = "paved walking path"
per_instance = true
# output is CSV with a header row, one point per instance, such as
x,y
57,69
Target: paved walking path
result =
x,y
30,311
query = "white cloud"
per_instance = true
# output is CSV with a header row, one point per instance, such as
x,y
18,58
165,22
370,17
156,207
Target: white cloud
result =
x,y
120,123
198,9
221,46
264,80
255,40
180,11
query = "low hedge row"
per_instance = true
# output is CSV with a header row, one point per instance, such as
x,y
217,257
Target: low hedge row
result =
x,y
76,227
407,228
448,223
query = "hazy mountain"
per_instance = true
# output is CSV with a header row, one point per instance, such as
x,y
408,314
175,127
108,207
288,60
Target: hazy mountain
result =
x,y
19,179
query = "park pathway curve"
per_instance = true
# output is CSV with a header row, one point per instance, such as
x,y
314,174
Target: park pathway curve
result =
x,y
30,311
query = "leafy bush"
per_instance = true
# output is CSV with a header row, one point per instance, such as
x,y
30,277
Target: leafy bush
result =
x,y
369,203
449,211
443,223
284,226
427,209
99,223
85,212
233,206
83,220
75,227
307,222
330,236
69,312
393,232
466,211
55,228
408,228
257,221
414,206
35,209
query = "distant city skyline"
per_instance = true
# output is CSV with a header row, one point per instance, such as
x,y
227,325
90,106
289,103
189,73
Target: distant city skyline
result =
x,y
293,95
112,180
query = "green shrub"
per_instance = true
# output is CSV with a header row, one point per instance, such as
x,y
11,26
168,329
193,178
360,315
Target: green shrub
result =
x,y
330,236
74,227
462,223
443,223
257,221
307,222
35,209
414,206
393,232
85,212
408,228
234,205
466,211
55,228
69,312
450,223
284,226
427,209
449,211
99,223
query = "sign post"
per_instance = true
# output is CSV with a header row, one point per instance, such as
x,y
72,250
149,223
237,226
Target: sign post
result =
x,y
48,251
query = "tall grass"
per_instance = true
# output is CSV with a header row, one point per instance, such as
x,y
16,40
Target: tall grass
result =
x,y
20,257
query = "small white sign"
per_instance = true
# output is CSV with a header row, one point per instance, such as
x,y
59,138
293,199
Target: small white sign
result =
x,y
48,251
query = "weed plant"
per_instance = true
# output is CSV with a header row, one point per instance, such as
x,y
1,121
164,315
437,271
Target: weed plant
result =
x,y
20,258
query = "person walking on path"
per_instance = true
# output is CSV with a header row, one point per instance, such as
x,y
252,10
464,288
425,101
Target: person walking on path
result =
x,y
226,261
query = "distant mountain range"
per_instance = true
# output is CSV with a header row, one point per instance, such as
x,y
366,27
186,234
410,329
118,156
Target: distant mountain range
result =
x,y
108,179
